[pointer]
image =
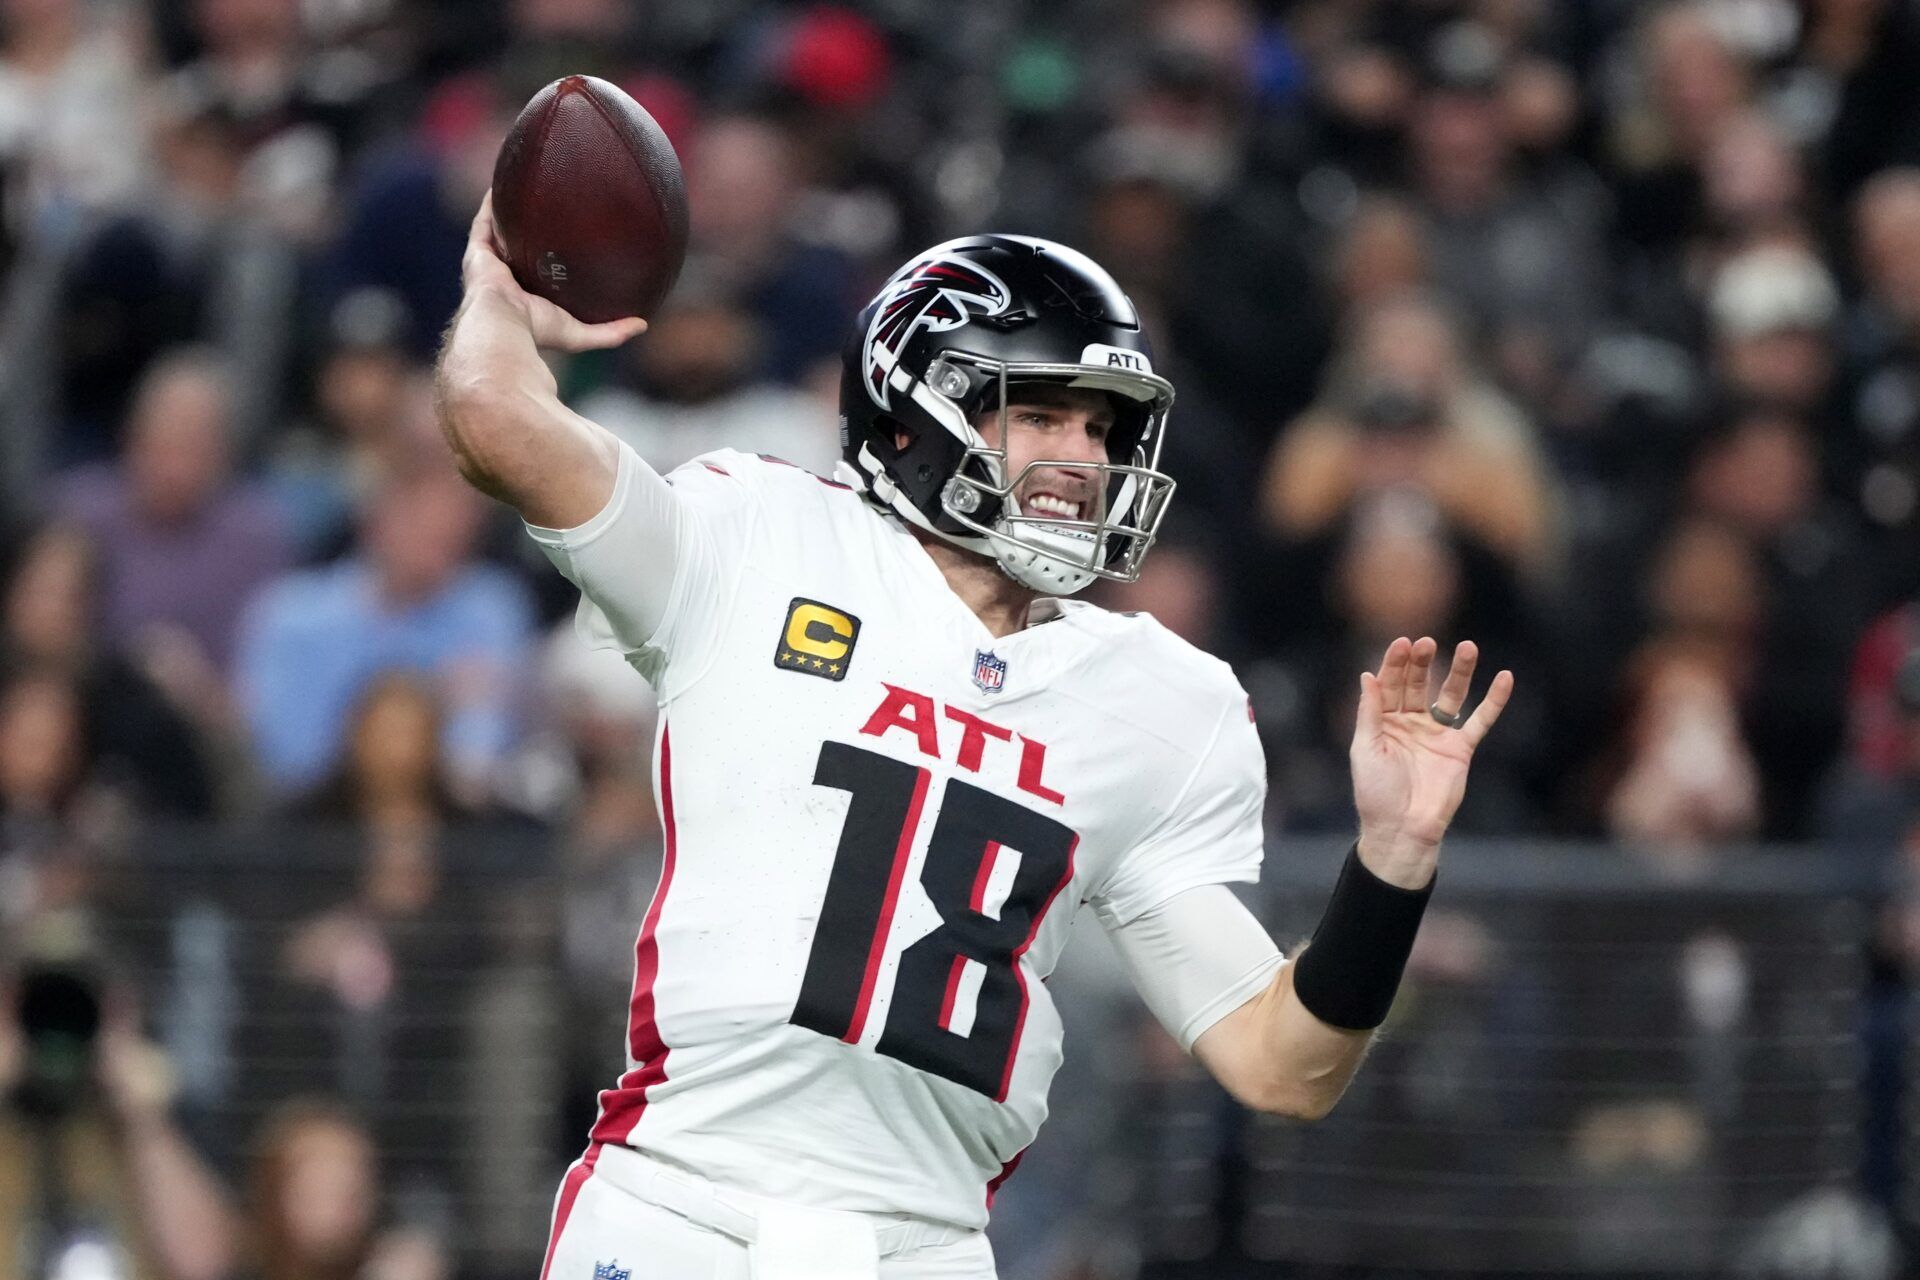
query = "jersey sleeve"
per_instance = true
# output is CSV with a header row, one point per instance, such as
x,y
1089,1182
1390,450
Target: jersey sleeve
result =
x,y
1210,834
1196,958
659,566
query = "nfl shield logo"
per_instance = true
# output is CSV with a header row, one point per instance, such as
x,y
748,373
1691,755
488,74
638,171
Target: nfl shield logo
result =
x,y
989,672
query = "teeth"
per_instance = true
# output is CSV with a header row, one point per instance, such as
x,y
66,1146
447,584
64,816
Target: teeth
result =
x,y
1050,505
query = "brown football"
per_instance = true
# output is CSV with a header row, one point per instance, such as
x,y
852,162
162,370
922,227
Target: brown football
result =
x,y
589,201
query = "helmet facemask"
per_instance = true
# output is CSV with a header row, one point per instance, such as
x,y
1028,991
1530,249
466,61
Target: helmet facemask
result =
x,y
1048,551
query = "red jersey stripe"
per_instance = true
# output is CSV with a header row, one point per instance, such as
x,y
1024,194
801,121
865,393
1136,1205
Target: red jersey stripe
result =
x,y
622,1105
563,1208
878,950
1020,975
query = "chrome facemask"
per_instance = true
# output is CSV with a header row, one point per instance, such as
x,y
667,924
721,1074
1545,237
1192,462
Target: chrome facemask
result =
x,y
1042,550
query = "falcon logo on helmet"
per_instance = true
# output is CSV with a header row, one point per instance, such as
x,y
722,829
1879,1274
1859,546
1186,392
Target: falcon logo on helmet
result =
x,y
935,293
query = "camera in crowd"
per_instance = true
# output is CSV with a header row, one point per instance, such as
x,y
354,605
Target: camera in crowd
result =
x,y
1393,409
57,1013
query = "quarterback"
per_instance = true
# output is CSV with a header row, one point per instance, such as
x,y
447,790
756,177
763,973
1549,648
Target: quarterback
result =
x,y
896,760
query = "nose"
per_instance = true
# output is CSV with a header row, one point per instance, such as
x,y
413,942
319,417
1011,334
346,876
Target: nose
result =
x,y
1081,446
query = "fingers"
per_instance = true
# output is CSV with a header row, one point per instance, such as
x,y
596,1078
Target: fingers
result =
x,y
1420,675
1489,710
1367,722
553,327
594,337
1453,694
1393,675
481,231
483,261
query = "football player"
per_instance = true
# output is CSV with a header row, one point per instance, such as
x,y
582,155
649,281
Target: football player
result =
x,y
896,760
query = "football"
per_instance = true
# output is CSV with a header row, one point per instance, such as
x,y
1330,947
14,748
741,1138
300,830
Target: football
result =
x,y
589,202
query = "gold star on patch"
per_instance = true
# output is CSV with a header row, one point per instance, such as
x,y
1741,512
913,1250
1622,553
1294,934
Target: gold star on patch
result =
x,y
833,668
818,665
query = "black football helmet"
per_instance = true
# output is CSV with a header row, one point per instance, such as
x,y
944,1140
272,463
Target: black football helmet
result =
x,y
941,343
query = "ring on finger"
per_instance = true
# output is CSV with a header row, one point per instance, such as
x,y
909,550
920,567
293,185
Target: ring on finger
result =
x,y
1451,720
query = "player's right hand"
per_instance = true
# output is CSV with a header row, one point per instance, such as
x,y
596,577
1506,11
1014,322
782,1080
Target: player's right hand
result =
x,y
483,270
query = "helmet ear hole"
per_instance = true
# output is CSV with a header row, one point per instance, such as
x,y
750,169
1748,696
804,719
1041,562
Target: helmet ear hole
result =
x,y
898,433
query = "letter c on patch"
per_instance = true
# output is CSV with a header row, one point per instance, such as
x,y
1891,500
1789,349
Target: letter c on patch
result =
x,y
820,631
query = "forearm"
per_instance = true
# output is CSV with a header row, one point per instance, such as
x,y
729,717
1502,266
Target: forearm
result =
x,y
1275,1056
510,435
1202,953
1293,1048
182,1208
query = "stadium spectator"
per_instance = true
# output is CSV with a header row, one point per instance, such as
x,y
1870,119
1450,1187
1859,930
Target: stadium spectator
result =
x,y
603,718
50,621
95,1178
192,261
47,767
255,68
412,597
1772,309
1403,407
1871,808
1383,255
316,1205
391,777
1243,241
1857,59
1143,215
379,974
1876,736
744,184
1521,265
1753,183
1685,780
1878,461
693,387
1870,816
71,77
1705,581
1692,83
365,389
1760,475
54,818
404,215
599,720
182,542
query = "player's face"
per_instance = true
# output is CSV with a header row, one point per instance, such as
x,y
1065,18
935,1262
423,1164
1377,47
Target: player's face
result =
x,y
1054,424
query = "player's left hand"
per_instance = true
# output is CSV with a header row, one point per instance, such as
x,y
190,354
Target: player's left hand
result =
x,y
1409,769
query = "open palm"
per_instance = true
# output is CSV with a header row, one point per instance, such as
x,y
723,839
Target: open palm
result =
x,y
1409,769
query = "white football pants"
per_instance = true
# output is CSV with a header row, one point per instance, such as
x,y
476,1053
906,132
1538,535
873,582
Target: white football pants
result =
x,y
622,1216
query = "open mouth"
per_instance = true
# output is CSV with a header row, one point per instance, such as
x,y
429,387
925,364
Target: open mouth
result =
x,y
1049,504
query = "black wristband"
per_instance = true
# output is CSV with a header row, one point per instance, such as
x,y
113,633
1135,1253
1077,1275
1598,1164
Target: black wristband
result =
x,y
1348,976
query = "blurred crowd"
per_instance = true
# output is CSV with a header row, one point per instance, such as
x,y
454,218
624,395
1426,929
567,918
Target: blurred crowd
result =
x,y
1586,329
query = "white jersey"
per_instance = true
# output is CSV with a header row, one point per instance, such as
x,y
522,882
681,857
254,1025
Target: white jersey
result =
x,y
880,823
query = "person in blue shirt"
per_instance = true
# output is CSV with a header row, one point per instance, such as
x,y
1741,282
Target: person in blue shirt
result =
x,y
412,598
